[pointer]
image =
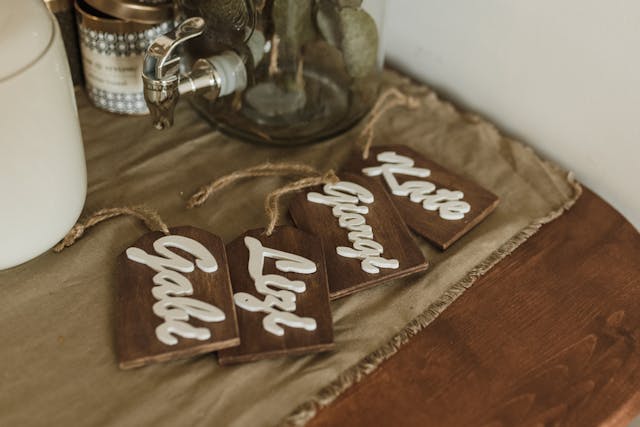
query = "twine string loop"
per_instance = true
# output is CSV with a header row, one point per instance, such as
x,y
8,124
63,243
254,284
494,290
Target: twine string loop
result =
x,y
310,177
272,202
390,98
265,169
150,218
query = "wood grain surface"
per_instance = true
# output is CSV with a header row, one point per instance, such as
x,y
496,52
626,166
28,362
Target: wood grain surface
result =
x,y
345,274
136,341
256,342
549,337
441,232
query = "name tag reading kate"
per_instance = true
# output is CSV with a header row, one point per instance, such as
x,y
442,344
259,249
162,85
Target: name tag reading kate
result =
x,y
174,298
436,203
281,295
365,240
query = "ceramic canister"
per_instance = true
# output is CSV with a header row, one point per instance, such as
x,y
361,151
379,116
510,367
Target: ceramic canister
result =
x,y
43,178
114,36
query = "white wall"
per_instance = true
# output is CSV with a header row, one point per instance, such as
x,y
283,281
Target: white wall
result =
x,y
561,75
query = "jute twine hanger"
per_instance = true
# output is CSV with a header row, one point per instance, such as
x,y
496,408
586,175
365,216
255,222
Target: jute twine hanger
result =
x,y
389,99
154,222
150,218
310,178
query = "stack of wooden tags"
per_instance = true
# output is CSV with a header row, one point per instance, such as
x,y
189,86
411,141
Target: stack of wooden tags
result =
x,y
186,294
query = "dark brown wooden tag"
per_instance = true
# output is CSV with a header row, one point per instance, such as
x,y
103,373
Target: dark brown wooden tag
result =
x,y
281,295
372,246
174,298
436,203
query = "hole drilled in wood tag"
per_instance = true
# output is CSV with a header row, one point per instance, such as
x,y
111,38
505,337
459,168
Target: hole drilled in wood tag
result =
x,y
174,298
365,240
281,295
436,203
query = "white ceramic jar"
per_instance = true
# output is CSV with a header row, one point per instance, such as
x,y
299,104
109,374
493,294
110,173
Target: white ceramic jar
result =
x,y
42,165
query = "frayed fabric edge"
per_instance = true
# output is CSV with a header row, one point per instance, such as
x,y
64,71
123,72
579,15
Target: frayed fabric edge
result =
x,y
306,411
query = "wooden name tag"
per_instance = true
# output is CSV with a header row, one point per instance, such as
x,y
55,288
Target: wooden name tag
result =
x,y
439,205
174,298
281,295
364,238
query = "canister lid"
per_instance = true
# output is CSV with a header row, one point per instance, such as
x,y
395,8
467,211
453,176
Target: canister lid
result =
x,y
26,31
141,11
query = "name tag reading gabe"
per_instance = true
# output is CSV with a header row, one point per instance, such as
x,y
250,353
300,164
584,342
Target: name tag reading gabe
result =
x,y
174,298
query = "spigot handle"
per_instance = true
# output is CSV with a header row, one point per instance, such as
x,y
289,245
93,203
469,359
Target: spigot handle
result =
x,y
160,62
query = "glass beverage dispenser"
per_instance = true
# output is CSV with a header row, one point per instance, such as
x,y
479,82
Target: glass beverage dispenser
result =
x,y
276,71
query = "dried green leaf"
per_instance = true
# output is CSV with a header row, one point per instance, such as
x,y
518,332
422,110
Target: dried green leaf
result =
x,y
359,41
293,21
328,21
328,60
347,3
220,15
256,45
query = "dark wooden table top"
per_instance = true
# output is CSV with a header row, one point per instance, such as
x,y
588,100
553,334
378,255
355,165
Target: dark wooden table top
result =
x,y
548,337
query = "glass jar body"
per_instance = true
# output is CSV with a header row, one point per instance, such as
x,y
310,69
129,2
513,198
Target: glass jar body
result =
x,y
313,65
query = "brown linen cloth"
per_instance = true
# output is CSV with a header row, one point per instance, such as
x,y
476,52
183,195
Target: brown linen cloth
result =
x,y
57,360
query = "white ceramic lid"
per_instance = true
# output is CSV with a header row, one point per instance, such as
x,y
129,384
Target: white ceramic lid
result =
x,y
26,30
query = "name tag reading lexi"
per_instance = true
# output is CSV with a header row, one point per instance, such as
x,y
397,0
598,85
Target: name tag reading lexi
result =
x,y
438,204
280,290
174,298
279,303
365,240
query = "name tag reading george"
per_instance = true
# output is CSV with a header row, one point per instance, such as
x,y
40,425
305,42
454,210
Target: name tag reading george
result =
x,y
434,202
348,202
281,295
364,238
174,298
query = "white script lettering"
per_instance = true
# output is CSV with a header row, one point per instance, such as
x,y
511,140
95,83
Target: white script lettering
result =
x,y
448,203
279,303
172,288
344,197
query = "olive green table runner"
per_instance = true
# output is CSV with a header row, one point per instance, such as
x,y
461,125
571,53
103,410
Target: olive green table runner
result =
x,y
57,360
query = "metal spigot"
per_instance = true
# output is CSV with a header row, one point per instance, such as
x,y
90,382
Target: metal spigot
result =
x,y
215,76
